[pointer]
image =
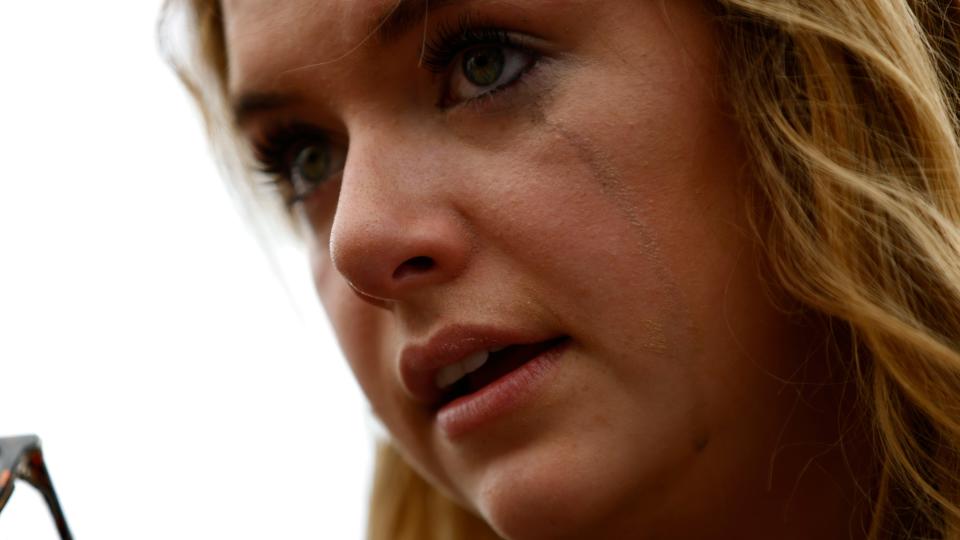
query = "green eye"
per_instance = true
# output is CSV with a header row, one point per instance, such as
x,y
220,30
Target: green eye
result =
x,y
484,66
485,69
311,167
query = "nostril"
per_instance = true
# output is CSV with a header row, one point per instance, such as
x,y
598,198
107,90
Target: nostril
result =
x,y
416,265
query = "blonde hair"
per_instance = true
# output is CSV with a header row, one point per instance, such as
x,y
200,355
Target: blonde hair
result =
x,y
851,113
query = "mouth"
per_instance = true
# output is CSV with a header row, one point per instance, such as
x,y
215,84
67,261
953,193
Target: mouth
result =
x,y
483,368
468,376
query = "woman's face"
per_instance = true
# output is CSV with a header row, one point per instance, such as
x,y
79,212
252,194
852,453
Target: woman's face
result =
x,y
553,186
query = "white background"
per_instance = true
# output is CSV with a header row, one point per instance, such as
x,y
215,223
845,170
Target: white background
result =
x,y
143,334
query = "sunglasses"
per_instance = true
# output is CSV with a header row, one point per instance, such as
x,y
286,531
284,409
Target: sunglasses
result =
x,y
21,459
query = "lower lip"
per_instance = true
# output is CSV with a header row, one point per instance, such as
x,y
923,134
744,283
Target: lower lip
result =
x,y
471,412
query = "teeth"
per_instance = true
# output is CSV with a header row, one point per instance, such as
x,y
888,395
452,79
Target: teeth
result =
x,y
451,374
474,362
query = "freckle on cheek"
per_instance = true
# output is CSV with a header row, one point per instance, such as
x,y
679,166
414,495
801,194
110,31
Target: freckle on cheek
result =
x,y
700,443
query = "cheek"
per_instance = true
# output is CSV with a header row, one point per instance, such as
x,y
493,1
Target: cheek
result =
x,y
355,323
369,339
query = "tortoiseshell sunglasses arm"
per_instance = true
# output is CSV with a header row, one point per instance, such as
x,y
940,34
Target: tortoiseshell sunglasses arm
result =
x,y
20,457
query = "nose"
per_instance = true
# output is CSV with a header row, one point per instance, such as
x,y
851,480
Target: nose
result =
x,y
394,233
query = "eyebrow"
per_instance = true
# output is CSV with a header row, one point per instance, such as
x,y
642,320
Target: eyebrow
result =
x,y
252,103
402,16
397,19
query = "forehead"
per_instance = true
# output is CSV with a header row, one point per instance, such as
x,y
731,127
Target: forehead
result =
x,y
267,37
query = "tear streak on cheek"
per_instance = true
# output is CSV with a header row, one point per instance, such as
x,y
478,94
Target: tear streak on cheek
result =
x,y
673,334
682,339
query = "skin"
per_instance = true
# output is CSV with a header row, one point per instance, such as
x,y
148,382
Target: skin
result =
x,y
600,198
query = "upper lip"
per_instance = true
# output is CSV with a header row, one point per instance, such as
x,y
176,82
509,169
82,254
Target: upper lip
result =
x,y
420,363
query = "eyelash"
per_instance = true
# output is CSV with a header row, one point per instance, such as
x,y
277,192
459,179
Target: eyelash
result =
x,y
276,151
452,39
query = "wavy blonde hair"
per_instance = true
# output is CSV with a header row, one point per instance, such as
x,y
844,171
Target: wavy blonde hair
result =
x,y
851,113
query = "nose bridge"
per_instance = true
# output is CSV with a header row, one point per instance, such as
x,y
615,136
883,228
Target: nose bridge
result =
x,y
394,232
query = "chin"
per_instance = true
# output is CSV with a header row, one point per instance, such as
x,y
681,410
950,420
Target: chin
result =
x,y
535,495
